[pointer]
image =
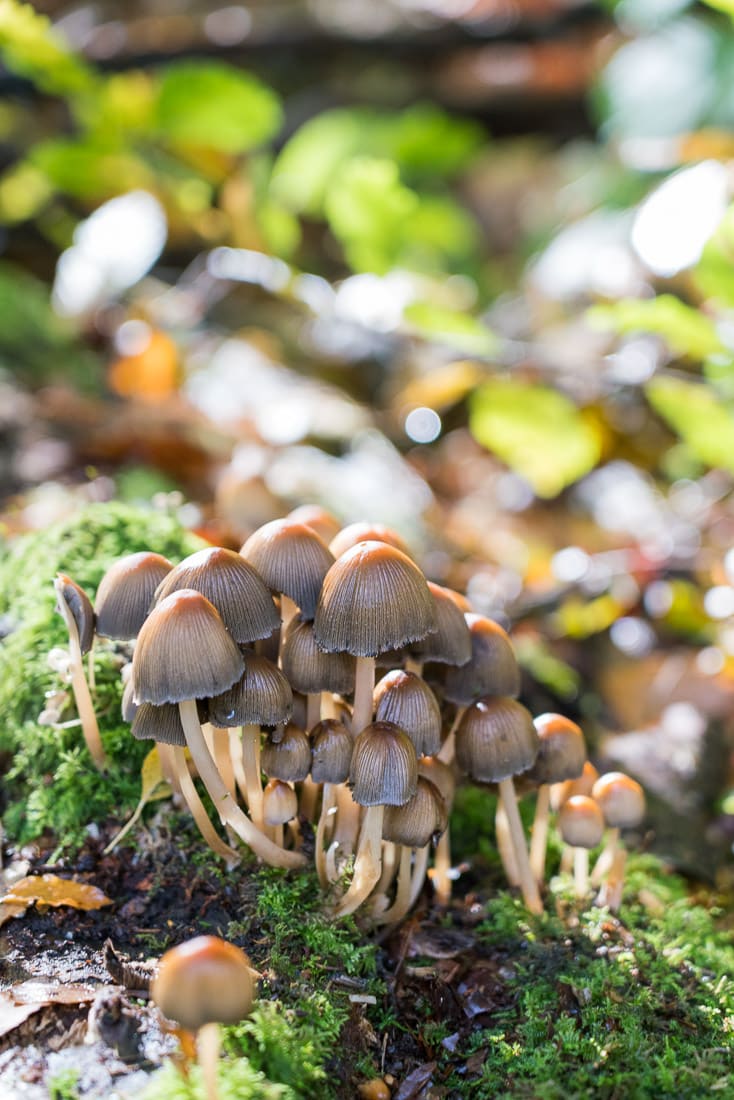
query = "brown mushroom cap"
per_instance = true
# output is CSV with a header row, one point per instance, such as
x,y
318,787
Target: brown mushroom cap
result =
x,y
318,519
621,799
204,981
440,774
184,652
418,821
373,598
308,668
496,739
450,643
562,752
561,792
384,768
492,668
280,803
161,724
403,698
286,754
367,532
126,592
292,559
234,587
581,822
262,696
81,609
331,752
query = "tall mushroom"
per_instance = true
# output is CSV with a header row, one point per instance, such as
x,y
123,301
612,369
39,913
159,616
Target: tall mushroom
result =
x,y
561,756
78,614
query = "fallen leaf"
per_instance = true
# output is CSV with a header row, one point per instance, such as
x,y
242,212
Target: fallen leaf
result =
x,y
51,890
153,786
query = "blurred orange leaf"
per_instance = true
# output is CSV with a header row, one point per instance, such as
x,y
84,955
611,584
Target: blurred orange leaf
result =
x,y
51,890
151,373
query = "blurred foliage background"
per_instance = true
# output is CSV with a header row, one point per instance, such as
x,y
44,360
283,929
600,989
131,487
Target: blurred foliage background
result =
x,y
461,266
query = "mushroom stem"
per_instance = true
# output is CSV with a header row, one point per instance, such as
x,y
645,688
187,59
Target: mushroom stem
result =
x,y
313,710
611,891
79,686
448,749
288,611
208,1045
347,820
440,872
415,665
328,802
367,864
168,767
228,810
604,863
196,807
529,888
234,736
505,849
380,900
251,764
418,875
401,904
91,673
364,686
309,799
220,752
539,837
581,872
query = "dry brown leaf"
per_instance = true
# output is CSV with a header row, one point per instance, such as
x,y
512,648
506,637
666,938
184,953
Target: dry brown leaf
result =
x,y
50,890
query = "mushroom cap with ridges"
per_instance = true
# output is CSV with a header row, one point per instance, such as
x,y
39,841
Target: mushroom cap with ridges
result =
x,y
184,651
561,792
492,668
128,706
292,559
363,531
236,589
405,699
204,981
373,598
562,752
308,668
80,608
496,739
440,774
161,724
262,696
318,519
286,754
621,799
331,751
581,822
384,768
420,820
450,643
126,592
280,802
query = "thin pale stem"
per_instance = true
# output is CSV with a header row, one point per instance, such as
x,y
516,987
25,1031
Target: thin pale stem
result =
x,y
415,665
380,901
313,710
448,750
528,885
604,863
196,807
328,802
80,687
288,611
401,903
208,1045
309,800
234,739
91,672
168,766
253,780
611,892
348,814
367,864
440,873
364,686
220,752
228,810
505,848
418,874
581,872
539,837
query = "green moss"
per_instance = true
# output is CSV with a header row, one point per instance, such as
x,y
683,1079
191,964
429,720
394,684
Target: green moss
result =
x,y
236,1080
52,783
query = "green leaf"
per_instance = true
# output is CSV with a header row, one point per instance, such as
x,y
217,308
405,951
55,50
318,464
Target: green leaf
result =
x,y
686,330
31,47
448,326
367,207
216,106
697,415
427,142
535,430
308,161
88,171
714,272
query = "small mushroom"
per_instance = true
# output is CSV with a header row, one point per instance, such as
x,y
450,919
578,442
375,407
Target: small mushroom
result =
x,y
201,984
561,756
78,614
622,802
581,825
126,592
413,826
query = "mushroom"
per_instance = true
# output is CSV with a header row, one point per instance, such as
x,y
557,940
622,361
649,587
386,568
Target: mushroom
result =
x,y
280,805
126,592
293,561
201,984
442,776
184,653
318,519
367,532
561,756
495,740
331,757
581,825
405,699
78,614
622,802
413,826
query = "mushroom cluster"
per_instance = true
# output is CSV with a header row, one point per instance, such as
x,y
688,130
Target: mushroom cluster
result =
x,y
326,660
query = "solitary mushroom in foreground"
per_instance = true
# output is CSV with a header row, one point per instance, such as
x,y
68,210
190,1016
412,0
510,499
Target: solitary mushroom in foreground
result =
x,y
201,984
78,614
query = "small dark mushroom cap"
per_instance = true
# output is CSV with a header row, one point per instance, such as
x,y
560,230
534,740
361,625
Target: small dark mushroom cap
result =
x,y
318,519
204,981
420,820
367,532
234,587
581,822
384,769
262,696
184,652
403,698
291,558
308,668
126,592
440,774
286,754
621,800
451,642
280,803
80,607
162,724
373,598
331,752
496,739
562,752
492,668
561,792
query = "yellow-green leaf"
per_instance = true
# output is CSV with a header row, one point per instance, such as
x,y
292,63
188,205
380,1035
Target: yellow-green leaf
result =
x,y
153,786
698,416
686,330
535,430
